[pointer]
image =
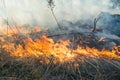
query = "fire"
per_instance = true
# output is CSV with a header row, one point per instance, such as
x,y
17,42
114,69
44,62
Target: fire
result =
x,y
43,46
61,50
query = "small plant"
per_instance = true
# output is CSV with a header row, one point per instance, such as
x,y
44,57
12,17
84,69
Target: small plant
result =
x,y
51,6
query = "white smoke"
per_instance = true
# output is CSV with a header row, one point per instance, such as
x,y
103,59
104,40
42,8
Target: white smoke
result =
x,y
36,12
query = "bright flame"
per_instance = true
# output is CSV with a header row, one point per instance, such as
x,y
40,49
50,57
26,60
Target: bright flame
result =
x,y
45,46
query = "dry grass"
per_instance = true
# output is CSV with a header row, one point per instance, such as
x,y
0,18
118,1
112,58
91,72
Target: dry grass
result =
x,y
44,67
31,68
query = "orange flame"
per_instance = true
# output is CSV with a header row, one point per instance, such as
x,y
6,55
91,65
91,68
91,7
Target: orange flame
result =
x,y
45,46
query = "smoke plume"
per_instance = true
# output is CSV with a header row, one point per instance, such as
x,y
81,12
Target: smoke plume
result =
x,y
37,13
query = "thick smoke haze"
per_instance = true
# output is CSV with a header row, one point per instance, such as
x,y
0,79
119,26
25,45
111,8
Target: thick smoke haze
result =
x,y
37,13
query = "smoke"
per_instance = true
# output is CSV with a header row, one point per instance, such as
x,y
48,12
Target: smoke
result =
x,y
37,13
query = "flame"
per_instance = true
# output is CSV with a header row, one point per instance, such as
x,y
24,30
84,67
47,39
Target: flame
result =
x,y
44,46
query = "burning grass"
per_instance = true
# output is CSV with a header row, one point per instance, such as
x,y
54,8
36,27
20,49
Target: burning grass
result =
x,y
25,57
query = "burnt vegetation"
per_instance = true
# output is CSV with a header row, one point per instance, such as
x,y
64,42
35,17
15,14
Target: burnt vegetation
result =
x,y
88,64
45,68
